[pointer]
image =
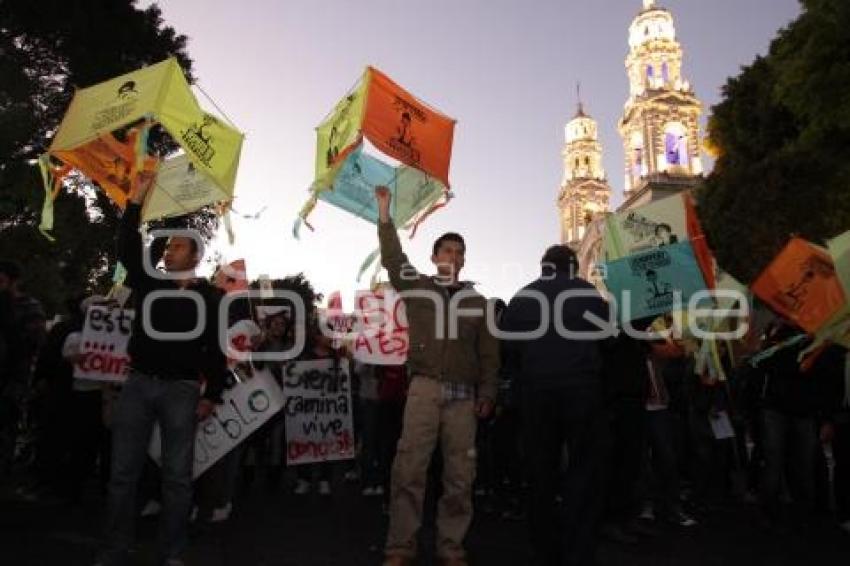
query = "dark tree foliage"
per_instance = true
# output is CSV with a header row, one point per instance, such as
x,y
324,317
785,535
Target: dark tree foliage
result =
x,y
47,49
782,139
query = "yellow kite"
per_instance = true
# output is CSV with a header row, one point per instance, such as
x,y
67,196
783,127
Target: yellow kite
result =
x,y
104,134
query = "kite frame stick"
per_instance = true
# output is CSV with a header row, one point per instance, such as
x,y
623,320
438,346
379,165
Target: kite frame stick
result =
x,y
217,107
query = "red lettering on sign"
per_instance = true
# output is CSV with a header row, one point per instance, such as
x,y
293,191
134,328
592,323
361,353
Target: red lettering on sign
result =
x,y
104,363
361,343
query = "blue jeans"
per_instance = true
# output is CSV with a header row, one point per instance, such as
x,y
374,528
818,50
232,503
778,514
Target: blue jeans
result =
x,y
145,400
790,443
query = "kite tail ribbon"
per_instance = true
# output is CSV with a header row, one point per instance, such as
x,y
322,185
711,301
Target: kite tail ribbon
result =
x,y
228,225
434,208
370,259
52,180
302,216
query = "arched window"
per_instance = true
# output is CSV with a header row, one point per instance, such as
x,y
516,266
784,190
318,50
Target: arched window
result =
x,y
650,72
637,161
587,161
676,144
665,72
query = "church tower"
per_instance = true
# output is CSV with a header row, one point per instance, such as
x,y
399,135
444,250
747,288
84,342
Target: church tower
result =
x,y
584,190
660,123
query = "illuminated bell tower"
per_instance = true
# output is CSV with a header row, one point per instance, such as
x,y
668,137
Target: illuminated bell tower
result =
x,y
584,190
660,123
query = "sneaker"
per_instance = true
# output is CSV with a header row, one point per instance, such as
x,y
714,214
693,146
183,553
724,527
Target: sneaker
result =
x,y
368,492
845,526
683,520
379,490
324,487
152,508
302,487
351,476
648,513
222,513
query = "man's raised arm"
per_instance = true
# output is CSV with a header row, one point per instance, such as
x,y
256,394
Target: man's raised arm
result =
x,y
402,274
129,239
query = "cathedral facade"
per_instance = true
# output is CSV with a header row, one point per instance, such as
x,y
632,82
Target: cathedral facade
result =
x,y
659,131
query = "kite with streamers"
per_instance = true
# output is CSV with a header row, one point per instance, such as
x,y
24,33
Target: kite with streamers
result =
x,y
655,252
400,127
104,137
655,281
801,284
661,223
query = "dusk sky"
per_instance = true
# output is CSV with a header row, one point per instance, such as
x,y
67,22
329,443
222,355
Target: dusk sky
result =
x,y
505,69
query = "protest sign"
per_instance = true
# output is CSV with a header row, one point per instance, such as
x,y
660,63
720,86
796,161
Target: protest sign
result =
x,y
380,328
106,333
318,411
245,408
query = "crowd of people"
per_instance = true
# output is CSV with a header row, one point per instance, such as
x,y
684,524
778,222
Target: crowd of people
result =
x,y
582,439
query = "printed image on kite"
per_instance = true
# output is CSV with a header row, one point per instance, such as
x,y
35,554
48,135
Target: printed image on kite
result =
x,y
104,138
381,135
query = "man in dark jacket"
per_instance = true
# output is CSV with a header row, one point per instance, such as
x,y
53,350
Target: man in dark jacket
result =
x,y
560,376
164,384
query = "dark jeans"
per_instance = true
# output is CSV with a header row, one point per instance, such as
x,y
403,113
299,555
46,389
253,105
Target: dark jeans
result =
x,y
370,453
841,454
508,455
789,446
214,488
485,477
663,481
718,466
381,428
87,435
322,470
553,418
628,424
146,400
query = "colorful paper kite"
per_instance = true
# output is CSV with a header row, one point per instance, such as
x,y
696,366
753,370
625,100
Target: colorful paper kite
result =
x,y
104,134
801,284
664,222
655,281
402,128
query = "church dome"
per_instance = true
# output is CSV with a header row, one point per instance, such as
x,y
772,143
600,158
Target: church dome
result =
x,y
581,127
652,24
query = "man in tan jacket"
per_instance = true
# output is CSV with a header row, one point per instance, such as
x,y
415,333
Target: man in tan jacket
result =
x,y
454,364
